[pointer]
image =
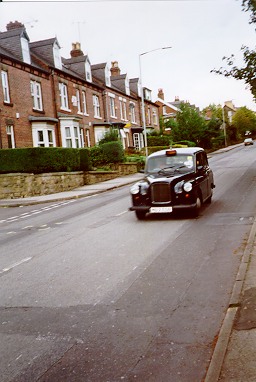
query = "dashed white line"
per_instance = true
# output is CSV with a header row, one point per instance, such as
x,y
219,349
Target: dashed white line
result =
x,y
15,265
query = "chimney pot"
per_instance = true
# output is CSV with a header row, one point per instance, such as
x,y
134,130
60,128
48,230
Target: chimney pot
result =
x,y
115,70
76,50
14,25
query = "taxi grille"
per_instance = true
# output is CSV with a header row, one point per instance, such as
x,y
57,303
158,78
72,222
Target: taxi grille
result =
x,y
160,192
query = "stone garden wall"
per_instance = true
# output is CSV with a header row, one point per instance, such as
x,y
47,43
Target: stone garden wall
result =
x,y
21,185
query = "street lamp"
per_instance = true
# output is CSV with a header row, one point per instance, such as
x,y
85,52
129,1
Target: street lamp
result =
x,y
224,127
142,96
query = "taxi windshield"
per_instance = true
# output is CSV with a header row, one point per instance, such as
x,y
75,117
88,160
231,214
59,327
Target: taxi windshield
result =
x,y
178,163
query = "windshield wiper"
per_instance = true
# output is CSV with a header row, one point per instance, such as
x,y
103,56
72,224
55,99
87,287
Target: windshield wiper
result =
x,y
163,170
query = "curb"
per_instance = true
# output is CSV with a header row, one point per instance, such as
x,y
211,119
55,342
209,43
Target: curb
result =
x,y
216,363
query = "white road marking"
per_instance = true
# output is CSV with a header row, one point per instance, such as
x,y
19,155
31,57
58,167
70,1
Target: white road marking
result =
x,y
15,265
121,213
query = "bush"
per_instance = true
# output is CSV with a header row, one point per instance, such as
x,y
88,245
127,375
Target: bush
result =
x,y
158,140
186,143
41,159
110,136
110,152
85,164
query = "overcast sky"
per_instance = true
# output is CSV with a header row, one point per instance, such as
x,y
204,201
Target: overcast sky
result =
x,y
200,33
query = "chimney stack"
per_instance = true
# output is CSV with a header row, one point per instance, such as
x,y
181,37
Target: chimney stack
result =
x,y
161,94
14,25
115,71
76,50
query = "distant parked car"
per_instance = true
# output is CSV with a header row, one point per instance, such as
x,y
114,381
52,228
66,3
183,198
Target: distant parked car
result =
x,y
248,141
175,180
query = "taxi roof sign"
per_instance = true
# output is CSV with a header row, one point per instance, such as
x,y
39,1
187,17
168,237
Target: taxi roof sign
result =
x,y
170,152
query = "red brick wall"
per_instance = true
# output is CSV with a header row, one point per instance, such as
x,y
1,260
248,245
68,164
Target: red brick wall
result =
x,y
21,104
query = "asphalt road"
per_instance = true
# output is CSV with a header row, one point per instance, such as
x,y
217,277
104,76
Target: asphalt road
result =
x,y
88,293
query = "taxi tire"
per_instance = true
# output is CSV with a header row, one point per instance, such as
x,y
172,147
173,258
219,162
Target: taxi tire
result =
x,y
140,215
196,209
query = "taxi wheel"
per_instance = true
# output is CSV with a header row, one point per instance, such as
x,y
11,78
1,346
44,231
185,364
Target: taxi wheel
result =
x,y
196,209
209,200
140,215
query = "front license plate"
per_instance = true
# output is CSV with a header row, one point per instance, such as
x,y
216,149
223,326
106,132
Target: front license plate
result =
x,y
157,210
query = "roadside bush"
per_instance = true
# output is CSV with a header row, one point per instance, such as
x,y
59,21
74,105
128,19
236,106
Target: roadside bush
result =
x,y
110,152
186,143
110,136
85,164
41,159
158,140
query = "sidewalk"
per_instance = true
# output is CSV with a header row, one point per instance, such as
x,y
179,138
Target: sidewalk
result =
x,y
80,192
233,359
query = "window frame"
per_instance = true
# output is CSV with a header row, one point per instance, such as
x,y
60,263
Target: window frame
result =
x,y
96,106
10,136
112,106
63,91
132,112
5,86
36,94
49,140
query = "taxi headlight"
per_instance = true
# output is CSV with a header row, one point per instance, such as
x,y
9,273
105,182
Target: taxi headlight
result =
x,y
140,187
187,186
178,187
135,189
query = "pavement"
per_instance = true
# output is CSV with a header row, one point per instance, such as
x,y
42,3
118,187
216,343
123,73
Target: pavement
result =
x,y
233,358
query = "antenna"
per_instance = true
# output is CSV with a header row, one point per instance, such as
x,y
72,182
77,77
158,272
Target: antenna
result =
x,y
78,27
31,23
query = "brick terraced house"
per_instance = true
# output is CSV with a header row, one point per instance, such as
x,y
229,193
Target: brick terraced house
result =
x,y
47,100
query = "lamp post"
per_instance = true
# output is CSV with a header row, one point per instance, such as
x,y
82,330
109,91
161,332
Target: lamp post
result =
x,y
142,97
224,127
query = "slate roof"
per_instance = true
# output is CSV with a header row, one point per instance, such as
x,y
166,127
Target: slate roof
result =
x,y
10,40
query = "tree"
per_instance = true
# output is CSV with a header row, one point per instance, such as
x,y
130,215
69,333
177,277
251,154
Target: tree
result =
x,y
245,121
190,124
247,73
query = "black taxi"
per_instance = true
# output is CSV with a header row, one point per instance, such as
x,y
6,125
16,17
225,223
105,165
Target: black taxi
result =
x,y
175,179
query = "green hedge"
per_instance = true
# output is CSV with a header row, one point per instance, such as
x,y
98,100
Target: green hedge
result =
x,y
110,152
158,140
41,159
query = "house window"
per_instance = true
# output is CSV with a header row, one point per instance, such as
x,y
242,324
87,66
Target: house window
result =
x,y
132,112
149,116
4,76
99,133
10,137
88,71
107,76
76,136
138,142
43,135
96,106
63,96
155,117
123,109
68,137
127,86
72,134
112,107
36,94
25,50
88,139
79,110
56,56
84,103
